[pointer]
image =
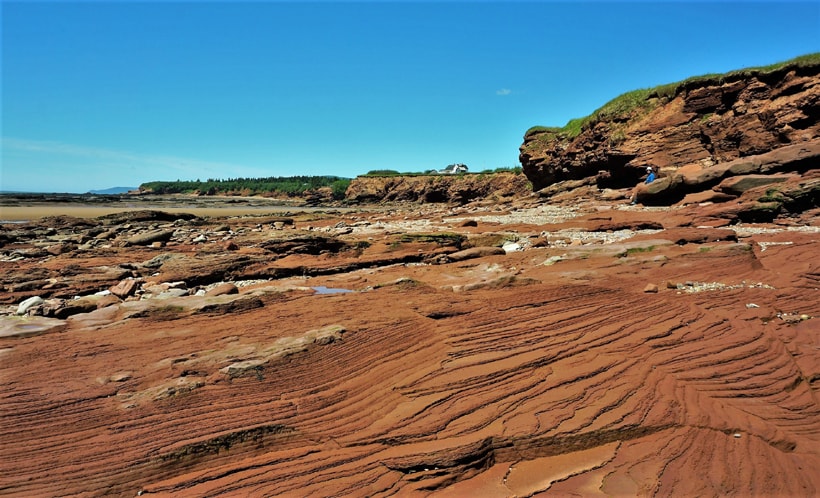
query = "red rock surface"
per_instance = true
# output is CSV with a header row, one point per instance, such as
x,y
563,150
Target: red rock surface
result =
x,y
704,123
543,371
455,189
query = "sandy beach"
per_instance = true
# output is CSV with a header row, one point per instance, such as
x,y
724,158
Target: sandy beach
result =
x,y
24,208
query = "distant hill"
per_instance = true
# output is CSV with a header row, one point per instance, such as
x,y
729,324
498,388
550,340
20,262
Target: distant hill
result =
x,y
112,190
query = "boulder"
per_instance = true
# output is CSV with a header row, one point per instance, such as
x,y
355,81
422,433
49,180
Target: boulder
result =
x,y
475,252
148,238
510,246
124,288
706,196
223,289
24,306
61,248
683,236
172,293
736,185
75,307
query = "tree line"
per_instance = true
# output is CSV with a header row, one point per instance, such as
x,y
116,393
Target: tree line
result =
x,y
288,185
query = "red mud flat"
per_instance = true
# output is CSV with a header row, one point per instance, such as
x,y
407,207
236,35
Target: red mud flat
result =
x,y
674,362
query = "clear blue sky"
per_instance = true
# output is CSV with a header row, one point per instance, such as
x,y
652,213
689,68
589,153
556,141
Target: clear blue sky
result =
x,y
104,94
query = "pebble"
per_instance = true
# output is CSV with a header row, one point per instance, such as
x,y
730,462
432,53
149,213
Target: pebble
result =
x,y
693,287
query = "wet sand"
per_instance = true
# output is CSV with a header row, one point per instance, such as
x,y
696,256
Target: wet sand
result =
x,y
25,208
25,213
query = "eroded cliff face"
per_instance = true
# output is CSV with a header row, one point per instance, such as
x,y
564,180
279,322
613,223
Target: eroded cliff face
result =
x,y
700,126
452,189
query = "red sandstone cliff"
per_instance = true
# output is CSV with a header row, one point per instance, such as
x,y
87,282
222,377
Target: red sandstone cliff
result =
x,y
583,350
453,189
698,125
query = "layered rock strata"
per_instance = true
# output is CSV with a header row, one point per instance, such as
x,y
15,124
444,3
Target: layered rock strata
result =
x,y
451,189
702,124
518,350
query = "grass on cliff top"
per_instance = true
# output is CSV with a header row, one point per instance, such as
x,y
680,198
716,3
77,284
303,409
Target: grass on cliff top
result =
x,y
647,98
386,173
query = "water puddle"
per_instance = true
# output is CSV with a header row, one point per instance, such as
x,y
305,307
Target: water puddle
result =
x,y
321,289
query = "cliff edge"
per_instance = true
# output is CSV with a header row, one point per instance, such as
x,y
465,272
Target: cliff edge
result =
x,y
698,133
451,189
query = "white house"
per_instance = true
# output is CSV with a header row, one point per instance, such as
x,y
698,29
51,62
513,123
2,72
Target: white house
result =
x,y
453,169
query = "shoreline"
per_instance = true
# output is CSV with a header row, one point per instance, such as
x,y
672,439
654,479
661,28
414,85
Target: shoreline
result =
x,y
24,208
20,214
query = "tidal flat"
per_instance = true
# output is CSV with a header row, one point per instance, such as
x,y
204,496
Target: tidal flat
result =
x,y
19,207
410,350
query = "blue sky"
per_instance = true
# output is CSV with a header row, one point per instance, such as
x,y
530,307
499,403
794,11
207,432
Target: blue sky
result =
x,y
104,94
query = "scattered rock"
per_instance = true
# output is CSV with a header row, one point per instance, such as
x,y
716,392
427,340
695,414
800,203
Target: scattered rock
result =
x,y
75,307
24,306
223,289
148,238
157,261
474,252
509,247
171,293
683,236
737,185
124,288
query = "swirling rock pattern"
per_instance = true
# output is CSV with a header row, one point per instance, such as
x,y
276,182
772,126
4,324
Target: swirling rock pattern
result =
x,y
545,371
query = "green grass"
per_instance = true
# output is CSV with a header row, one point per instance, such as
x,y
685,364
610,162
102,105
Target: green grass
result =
x,y
646,99
634,250
388,173
772,195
